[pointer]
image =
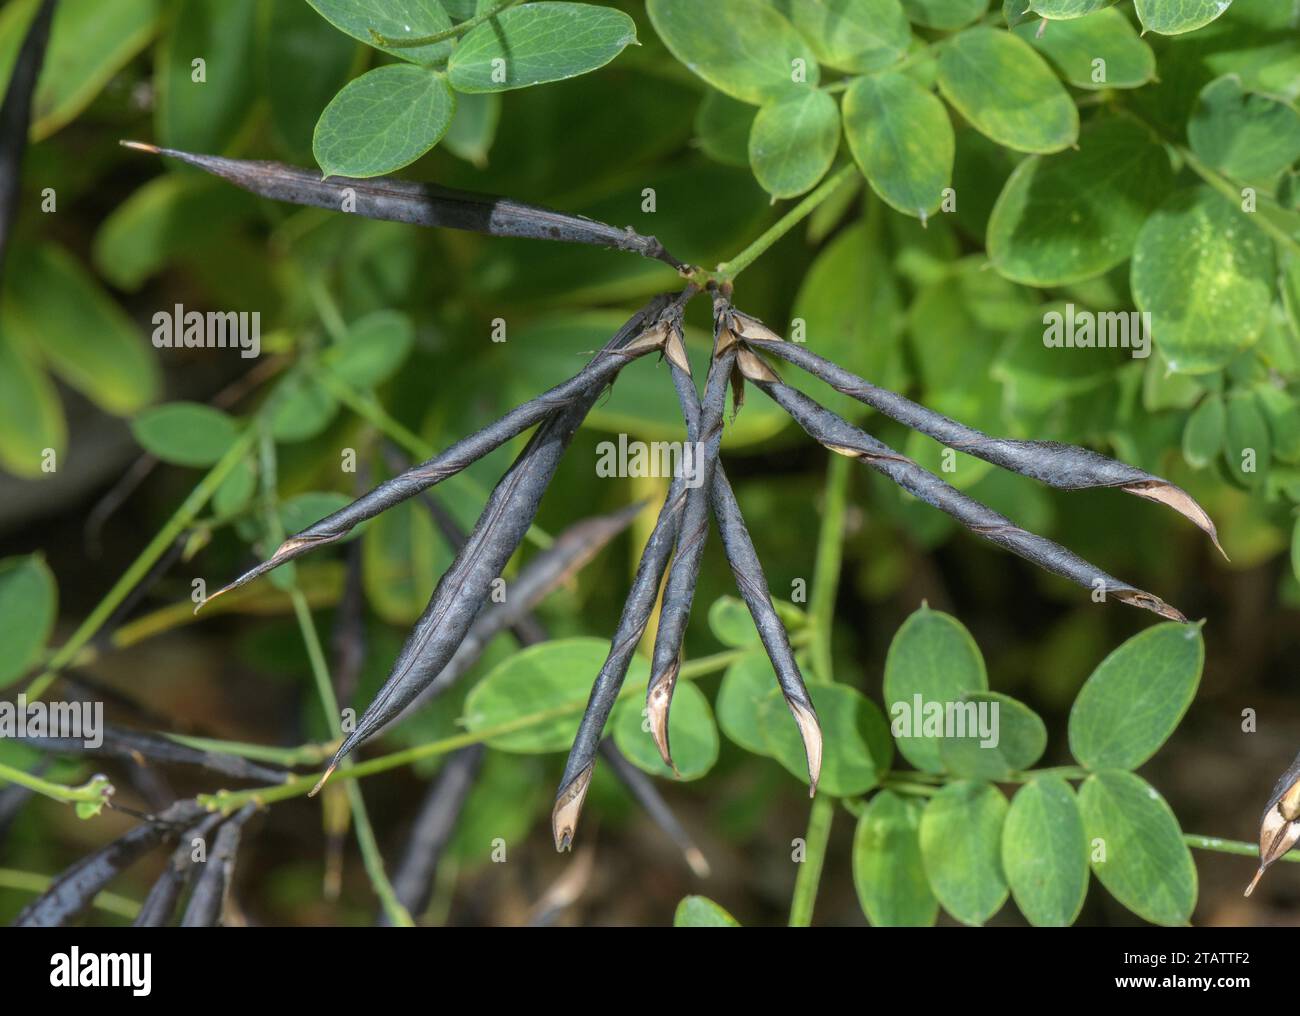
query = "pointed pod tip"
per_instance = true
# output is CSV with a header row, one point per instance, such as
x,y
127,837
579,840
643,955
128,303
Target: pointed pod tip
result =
x,y
1180,501
140,146
810,731
1255,881
324,776
568,808
697,862
659,700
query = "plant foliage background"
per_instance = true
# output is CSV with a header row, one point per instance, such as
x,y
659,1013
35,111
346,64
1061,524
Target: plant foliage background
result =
x,y
998,178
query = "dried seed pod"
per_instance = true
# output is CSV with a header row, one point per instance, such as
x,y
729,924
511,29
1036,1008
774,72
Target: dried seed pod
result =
x,y
74,890
16,116
747,570
1064,466
419,204
583,386
685,570
546,571
160,904
637,609
841,436
497,534
142,748
208,900
1279,829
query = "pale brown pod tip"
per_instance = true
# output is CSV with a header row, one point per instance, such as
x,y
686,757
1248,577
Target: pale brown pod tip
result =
x,y
675,350
568,807
752,328
1180,501
811,732
753,366
658,703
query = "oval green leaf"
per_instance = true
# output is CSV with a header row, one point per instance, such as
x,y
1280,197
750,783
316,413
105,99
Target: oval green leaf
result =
x,y
745,49
401,558
394,19
58,309
887,869
1174,17
932,661
731,623
1061,10
185,433
530,45
28,606
535,682
1007,91
692,734
31,419
902,139
946,15
1068,217
999,736
858,36
1243,134
1045,853
1203,433
1136,697
1136,847
793,140
1205,274
722,126
961,848
1099,51
1247,441
702,912
372,349
382,121
742,701
856,748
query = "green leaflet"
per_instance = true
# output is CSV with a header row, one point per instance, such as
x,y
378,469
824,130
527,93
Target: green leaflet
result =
x,y
902,139
692,734
395,19
1205,274
702,912
857,748
944,14
31,420
205,88
858,36
1045,853
1065,9
185,433
961,848
1248,443
887,869
542,42
28,606
382,121
372,349
474,127
1006,90
1136,847
932,657
1242,134
1099,51
731,623
539,679
747,50
1174,17
742,700
722,126
793,141
1203,434
55,307
1136,697
1071,216
1018,738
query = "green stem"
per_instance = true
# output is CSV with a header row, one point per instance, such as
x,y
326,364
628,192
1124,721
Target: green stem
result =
x,y
96,790
370,854
806,882
302,755
443,36
155,549
905,786
728,270
31,882
231,800
1230,846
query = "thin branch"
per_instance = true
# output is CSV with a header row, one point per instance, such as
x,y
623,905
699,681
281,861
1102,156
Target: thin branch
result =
x,y
453,32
